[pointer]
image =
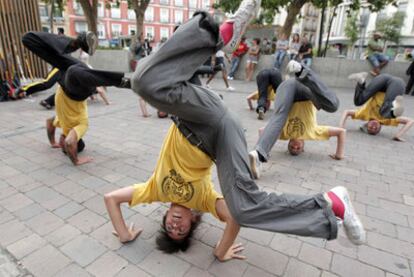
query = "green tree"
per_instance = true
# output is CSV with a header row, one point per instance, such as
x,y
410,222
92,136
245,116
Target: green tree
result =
x,y
293,7
352,28
390,27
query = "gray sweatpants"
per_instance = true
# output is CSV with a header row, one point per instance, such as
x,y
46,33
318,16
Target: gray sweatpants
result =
x,y
391,85
309,87
161,80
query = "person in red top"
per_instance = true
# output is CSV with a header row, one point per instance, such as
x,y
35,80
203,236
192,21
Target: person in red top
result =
x,y
235,58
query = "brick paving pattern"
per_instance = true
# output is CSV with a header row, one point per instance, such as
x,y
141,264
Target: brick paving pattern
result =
x,y
53,221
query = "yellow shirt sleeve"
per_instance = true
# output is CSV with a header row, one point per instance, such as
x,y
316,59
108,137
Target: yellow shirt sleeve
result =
x,y
210,201
144,193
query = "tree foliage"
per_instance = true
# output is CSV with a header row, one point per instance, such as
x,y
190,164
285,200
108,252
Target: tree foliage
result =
x,y
352,28
390,27
271,7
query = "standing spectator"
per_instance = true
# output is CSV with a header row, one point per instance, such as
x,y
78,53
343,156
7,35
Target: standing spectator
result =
x,y
266,46
136,50
410,72
305,52
253,59
374,53
282,45
236,56
147,47
294,47
217,63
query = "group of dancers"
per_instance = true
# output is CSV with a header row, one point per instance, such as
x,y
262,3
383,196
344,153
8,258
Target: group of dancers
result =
x,y
205,132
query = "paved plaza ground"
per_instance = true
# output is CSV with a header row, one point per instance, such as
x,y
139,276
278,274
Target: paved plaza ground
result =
x,y
53,220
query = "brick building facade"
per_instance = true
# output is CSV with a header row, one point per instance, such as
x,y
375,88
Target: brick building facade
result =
x,y
117,22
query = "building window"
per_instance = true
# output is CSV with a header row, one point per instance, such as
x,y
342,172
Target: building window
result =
x,y
402,6
116,30
149,14
43,11
77,8
115,11
164,18
131,14
101,10
192,4
165,2
178,16
206,4
164,33
179,3
132,30
149,32
101,31
81,27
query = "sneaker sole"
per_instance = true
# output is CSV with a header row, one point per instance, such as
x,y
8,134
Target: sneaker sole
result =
x,y
260,116
253,166
358,221
91,40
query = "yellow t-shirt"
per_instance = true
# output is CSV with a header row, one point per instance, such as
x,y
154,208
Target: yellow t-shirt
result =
x,y
302,124
370,110
270,94
182,176
70,114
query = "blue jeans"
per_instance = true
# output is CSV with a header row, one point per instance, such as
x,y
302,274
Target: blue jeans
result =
x,y
376,59
280,55
235,61
307,61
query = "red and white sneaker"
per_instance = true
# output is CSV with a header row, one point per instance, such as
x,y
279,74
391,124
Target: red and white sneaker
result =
x,y
247,10
353,226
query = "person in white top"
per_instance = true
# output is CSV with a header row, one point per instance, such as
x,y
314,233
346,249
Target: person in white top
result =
x,y
217,63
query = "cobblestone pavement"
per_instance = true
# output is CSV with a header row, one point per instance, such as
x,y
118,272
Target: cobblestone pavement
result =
x,y
53,220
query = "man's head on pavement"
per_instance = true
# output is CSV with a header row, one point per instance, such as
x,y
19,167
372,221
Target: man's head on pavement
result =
x,y
296,146
178,225
373,127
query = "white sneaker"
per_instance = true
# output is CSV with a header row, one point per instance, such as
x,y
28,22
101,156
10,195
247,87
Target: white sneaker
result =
x,y
208,86
241,19
255,164
230,89
398,106
352,224
359,77
229,78
261,114
92,42
293,67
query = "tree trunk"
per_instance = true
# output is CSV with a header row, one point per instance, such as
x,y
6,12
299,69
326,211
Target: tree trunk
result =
x,y
292,11
329,31
91,14
52,10
140,6
321,29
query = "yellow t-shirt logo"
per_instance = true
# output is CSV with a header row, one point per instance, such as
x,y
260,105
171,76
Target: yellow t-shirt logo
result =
x,y
295,127
176,188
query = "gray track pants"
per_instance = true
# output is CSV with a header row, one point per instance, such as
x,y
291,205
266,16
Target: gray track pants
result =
x,y
392,86
161,80
310,87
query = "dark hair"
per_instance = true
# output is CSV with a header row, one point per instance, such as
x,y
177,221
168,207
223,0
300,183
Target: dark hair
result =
x,y
168,245
257,40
